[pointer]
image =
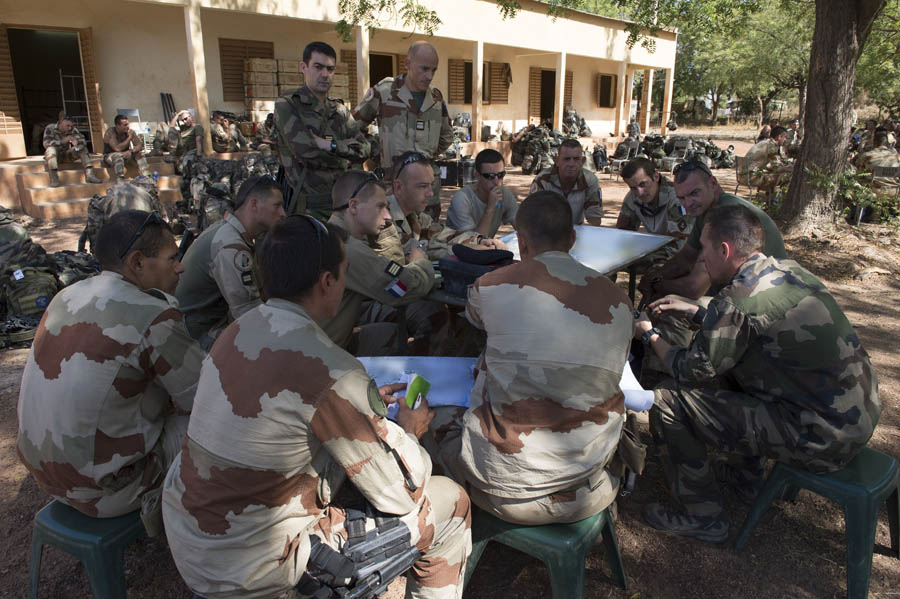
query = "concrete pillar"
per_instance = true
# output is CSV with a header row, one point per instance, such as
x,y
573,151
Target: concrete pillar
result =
x,y
667,99
621,109
197,62
477,77
629,93
362,62
558,108
646,95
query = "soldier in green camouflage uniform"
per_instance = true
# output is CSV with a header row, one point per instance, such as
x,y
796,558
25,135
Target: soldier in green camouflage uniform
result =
x,y
110,378
775,371
64,141
578,185
185,140
226,137
317,137
220,281
412,116
265,455
546,410
266,138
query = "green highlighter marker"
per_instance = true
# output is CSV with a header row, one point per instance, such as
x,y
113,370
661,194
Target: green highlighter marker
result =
x,y
416,388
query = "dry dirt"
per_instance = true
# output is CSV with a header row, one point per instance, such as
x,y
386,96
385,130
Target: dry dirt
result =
x,y
798,550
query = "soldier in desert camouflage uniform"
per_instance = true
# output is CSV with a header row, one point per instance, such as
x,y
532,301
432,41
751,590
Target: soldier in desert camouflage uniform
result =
x,y
412,116
121,144
110,378
63,141
265,455
881,155
775,371
317,137
767,164
546,410
226,136
578,185
220,283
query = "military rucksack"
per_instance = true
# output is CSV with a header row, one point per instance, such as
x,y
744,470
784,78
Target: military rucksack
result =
x,y
27,290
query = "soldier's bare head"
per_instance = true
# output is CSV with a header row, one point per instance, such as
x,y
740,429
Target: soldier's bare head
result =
x,y
65,124
569,160
421,65
140,246
318,66
731,234
413,182
121,123
696,187
544,224
642,178
303,261
259,204
358,198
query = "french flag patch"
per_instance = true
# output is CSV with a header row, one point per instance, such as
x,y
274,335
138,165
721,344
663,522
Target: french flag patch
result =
x,y
396,288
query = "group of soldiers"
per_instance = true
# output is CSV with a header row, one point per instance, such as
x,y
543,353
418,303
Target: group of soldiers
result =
x,y
220,394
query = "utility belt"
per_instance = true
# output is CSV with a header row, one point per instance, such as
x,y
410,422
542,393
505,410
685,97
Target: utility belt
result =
x,y
367,563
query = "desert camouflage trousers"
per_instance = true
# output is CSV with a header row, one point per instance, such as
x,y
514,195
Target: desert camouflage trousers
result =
x,y
444,444
66,153
117,160
690,422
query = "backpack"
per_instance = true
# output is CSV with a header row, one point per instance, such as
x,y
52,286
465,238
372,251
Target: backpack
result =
x,y
27,290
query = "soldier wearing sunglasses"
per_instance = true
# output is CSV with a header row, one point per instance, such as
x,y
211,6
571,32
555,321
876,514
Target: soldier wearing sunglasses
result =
x,y
486,204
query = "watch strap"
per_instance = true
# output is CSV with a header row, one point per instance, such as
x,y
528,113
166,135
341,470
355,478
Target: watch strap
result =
x,y
645,338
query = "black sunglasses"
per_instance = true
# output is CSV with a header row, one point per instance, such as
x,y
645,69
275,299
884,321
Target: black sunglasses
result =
x,y
490,176
370,178
414,157
153,218
690,166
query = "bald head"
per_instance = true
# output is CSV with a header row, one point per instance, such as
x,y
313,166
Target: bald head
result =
x,y
421,48
421,64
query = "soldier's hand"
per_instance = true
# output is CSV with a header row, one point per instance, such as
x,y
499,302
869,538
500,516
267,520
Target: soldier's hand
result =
x,y
387,392
495,196
493,244
414,422
321,142
417,253
673,306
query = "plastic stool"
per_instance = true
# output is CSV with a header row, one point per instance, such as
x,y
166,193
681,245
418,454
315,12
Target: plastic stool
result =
x,y
860,487
98,542
562,547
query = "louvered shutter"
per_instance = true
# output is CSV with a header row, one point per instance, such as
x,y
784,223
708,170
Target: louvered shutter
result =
x,y
534,93
232,53
567,96
349,58
456,76
499,88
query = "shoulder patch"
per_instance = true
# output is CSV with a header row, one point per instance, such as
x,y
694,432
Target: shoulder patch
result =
x,y
375,402
436,94
393,269
243,261
369,95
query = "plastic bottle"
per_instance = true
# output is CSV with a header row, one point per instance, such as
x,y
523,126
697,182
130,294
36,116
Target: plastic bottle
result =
x,y
156,175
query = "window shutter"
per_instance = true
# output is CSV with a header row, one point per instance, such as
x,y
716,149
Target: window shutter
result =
x,y
606,90
348,57
232,53
401,64
534,93
567,96
499,88
456,76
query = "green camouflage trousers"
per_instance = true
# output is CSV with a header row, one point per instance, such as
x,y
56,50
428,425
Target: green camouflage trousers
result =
x,y
691,422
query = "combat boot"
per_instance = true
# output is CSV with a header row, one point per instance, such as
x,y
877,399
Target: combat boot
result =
x,y
54,177
90,177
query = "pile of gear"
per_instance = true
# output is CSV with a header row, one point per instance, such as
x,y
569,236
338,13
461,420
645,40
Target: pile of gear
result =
x,y
462,127
675,148
535,148
574,124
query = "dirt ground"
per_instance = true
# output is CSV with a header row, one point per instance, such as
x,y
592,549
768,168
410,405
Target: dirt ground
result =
x,y
798,550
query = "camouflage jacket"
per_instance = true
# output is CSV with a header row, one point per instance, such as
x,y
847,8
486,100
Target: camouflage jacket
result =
x,y
394,240
546,409
219,282
402,126
372,276
282,417
233,141
181,142
53,136
585,198
764,156
880,156
778,335
670,220
311,171
107,363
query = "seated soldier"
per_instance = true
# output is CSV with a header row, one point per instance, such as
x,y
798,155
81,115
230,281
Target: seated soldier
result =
x,y
486,204
546,410
121,144
63,141
800,387
578,185
110,378
219,282
266,138
185,139
766,164
651,202
283,420
376,284
226,137
884,155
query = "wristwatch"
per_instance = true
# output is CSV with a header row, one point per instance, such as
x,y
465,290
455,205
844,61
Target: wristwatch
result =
x,y
645,338
333,146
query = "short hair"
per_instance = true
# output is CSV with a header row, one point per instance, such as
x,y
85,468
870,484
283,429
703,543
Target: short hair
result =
x,y
571,142
737,225
295,252
254,187
776,131
407,158
120,230
632,166
880,138
321,48
487,156
119,118
545,217
361,182
880,128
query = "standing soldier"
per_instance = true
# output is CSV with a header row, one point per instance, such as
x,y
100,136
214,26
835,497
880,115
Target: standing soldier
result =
x,y
412,115
317,137
121,143
63,140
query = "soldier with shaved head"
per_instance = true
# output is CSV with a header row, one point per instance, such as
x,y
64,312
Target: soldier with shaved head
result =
x,y
284,420
546,411
412,116
111,376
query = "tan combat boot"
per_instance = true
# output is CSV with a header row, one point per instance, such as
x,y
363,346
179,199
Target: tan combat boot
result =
x,y
54,178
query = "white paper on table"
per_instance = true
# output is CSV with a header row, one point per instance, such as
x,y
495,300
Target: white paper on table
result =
x,y
636,398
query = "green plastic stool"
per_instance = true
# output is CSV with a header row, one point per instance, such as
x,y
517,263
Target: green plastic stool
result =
x,y
562,547
861,487
98,542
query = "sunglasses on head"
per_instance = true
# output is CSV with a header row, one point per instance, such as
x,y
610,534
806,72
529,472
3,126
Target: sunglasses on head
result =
x,y
690,166
414,157
492,176
153,218
370,178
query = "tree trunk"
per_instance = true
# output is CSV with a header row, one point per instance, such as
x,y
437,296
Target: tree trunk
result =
x,y
761,117
838,39
801,105
716,98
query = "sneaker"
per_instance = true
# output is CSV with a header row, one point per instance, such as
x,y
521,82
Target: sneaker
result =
x,y
666,519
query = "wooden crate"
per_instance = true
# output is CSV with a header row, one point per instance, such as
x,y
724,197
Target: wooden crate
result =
x,y
341,68
259,77
257,105
262,65
340,81
261,91
295,79
288,66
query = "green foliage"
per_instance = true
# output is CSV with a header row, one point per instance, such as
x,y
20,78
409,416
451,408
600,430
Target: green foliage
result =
x,y
371,13
878,69
851,191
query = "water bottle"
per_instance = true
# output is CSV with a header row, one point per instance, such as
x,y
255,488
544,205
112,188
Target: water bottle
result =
x,y
156,175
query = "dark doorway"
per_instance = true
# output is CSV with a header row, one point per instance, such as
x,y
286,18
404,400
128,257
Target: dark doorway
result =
x,y
548,91
48,78
380,66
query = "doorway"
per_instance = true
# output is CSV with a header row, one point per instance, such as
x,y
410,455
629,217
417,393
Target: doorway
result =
x,y
548,93
380,66
49,80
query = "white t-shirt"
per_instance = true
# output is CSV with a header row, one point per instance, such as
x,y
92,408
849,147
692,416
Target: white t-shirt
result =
x,y
466,210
